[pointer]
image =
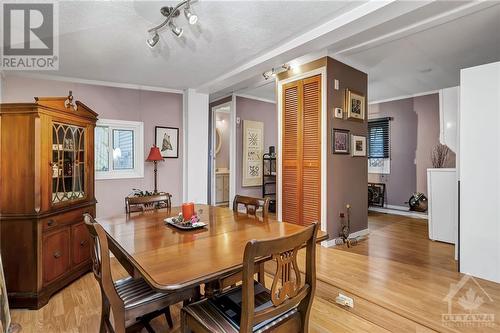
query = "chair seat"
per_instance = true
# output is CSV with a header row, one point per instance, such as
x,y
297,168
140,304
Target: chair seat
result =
x,y
209,313
136,292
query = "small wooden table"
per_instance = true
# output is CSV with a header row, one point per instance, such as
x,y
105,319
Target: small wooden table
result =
x,y
170,259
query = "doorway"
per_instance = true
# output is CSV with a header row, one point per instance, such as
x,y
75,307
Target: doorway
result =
x,y
221,155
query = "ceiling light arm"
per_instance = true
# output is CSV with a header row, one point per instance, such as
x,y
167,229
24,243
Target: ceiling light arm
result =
x,y
170,15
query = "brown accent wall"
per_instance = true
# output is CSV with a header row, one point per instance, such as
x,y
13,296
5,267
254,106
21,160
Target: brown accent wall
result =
x,y
347,176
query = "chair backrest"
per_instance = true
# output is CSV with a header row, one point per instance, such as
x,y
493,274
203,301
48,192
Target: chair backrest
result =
x,y
251,204
287,291
102,270
148,202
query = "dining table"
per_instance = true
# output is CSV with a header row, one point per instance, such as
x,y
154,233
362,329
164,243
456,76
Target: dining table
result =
x,y
170,259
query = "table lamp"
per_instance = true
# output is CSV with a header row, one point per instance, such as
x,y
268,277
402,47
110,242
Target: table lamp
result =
x,y
155,156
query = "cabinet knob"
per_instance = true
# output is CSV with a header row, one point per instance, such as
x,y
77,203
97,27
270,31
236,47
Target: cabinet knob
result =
x,y
50,223
57,254
83,243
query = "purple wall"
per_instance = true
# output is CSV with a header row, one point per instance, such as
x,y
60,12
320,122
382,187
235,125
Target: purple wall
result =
x,y
414,132
152,108
251,109
347,176
401,182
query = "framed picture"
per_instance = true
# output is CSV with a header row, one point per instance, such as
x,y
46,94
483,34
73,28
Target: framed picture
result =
x,y
340,141
253,149
358,144
167,139
376,194
355,104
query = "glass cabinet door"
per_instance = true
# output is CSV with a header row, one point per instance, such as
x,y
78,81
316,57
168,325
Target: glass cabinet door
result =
x,y
68,162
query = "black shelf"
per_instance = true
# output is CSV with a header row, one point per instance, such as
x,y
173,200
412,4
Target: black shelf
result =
x,y
269,178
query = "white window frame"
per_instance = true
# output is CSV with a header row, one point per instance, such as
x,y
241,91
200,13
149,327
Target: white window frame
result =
x,y
138,128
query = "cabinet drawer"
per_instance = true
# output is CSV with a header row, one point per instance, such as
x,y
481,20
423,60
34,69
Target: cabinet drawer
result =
x,y
55,253
63,219
80,240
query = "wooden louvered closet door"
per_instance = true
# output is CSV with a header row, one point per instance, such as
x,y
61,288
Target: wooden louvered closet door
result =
x,y
301,143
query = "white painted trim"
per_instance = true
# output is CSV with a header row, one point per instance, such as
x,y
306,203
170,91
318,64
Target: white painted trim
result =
x,y
361,233
232,152
184,147
212,152
404,97
138,129
256,98
387,210
324,140
95,82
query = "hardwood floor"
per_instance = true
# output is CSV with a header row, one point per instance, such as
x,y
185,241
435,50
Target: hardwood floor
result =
x,y
397,277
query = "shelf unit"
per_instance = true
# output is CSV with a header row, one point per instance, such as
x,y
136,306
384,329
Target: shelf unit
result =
x,y
269,179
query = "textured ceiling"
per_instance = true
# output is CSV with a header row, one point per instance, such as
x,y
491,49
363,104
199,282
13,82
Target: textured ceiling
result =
x,y
107,40
423,61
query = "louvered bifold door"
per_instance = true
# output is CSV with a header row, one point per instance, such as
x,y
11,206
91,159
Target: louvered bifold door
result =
x,y
311,150
292,102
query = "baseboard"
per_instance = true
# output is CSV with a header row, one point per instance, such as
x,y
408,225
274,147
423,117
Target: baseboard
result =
x,y
331,242
398,210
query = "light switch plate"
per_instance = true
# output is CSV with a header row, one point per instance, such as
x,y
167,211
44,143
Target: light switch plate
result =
x,y
336,84
338,113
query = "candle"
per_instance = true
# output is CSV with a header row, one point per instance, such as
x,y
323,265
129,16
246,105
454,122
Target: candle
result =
x,y
187,210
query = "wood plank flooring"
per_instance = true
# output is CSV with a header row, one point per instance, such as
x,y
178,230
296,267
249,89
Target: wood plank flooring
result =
x,y
397,277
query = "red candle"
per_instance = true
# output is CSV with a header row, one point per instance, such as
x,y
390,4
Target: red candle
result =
x,y
187,210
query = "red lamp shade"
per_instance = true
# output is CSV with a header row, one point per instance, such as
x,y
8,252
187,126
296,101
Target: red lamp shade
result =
x,y
154,155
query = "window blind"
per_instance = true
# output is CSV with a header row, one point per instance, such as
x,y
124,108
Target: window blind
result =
x,y
378,138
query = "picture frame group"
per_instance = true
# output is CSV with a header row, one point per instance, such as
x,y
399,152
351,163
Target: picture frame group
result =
x,y
343,142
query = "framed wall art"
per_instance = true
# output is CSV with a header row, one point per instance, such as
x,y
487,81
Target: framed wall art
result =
x,y
358,145
253,149
167,139
355,105
340,141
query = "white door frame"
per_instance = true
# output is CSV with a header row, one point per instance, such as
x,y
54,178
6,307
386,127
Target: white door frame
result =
x,y
232,146
324,139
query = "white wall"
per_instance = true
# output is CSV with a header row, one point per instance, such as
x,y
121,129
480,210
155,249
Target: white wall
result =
x,y
195,146
480,171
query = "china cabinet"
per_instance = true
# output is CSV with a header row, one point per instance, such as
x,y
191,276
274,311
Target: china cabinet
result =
x,y
46,185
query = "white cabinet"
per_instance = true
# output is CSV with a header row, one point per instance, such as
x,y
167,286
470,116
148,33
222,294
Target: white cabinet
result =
x,y
221,188
443,198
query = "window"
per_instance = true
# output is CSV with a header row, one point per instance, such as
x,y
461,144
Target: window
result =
x,y
119,149
378,138
379,146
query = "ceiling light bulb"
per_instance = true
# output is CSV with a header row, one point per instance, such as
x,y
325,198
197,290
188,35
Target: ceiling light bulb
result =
x,y
153,40
177,31
190,16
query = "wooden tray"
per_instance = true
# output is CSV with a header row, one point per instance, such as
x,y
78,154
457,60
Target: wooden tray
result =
x,y
194,226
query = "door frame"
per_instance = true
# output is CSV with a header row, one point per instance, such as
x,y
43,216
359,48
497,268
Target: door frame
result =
x,y
324,139
232,149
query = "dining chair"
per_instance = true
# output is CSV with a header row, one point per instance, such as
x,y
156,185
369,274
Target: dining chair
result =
x,y
147,202
132,301
284,308
251,205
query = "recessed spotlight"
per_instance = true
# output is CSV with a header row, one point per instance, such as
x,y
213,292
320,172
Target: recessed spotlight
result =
x,y
153,40
190,16
177,31
425,70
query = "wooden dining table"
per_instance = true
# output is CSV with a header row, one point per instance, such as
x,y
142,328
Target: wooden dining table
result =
x,y
170,259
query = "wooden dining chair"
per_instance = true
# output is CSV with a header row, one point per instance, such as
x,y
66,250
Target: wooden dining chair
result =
x,y
132,301
147,202
284,308
251,205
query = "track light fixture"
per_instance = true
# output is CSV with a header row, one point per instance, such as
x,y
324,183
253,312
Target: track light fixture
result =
x,y
153,40
170,13
275,71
